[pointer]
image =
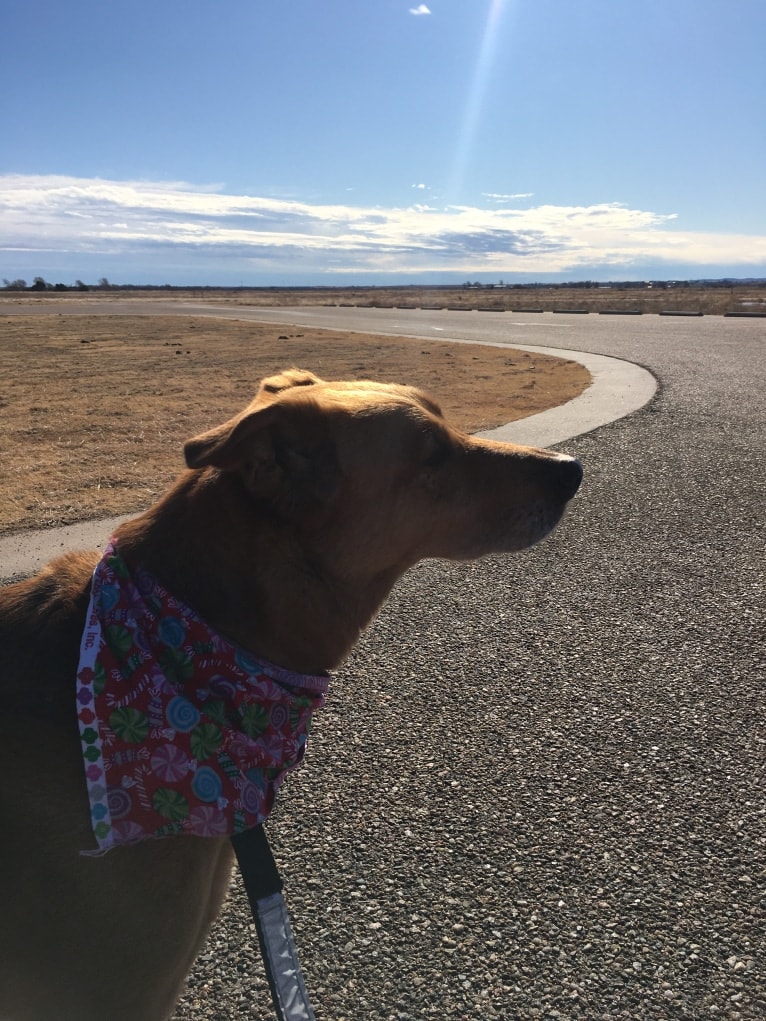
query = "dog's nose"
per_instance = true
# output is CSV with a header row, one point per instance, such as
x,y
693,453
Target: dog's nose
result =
x,y
568,477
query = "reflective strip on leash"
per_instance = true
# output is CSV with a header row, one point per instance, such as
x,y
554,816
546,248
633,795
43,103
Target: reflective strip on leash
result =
x,y
288,989
263,886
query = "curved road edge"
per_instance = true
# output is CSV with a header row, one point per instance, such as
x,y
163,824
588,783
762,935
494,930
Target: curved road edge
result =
x,y
618,388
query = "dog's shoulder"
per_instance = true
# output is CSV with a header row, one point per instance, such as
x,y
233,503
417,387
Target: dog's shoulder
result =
x,y
41,623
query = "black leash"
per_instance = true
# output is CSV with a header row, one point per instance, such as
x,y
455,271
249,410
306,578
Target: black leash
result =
x,y
263,886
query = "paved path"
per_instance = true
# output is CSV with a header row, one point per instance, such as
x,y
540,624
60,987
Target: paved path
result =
x,y
537,790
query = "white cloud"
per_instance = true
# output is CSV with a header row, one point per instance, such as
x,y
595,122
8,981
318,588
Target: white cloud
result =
x,y
159,223
419,10
501,197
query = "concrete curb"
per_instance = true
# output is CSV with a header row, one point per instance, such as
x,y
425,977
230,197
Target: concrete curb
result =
x,y
618,389
24,553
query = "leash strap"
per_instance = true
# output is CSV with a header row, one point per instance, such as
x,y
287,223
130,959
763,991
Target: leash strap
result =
x,y
263,886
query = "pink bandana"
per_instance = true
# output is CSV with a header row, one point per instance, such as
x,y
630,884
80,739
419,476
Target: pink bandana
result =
x,y
182,732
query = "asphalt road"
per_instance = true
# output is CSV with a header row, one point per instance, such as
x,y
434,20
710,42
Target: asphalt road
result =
x,y
537,790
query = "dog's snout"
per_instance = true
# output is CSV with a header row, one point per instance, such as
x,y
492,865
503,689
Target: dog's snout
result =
x,y
568,477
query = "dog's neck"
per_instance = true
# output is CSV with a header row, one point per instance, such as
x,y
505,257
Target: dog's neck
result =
x,y
255,583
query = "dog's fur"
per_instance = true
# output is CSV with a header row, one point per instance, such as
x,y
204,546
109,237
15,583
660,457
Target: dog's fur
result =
x,y
287,533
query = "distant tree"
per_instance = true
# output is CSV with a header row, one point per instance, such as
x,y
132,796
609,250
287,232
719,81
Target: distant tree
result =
x,y
40,284
80,285
104,284
15,285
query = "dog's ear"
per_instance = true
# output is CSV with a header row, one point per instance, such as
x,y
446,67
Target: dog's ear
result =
x,y
230,445
287,379
282,454
220,446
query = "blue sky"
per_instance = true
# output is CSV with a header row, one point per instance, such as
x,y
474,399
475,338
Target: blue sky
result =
x,y
374,141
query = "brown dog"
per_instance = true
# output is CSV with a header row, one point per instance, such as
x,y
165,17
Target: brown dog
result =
x,y
286,534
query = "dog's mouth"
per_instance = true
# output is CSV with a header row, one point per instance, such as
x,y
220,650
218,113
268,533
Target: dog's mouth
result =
x,y
561,481
536,526
538,520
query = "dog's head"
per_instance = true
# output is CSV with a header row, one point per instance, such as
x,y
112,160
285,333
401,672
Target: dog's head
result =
x,y
371,476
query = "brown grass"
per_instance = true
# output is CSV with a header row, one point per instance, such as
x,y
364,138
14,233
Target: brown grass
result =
x,y
94,410
744,297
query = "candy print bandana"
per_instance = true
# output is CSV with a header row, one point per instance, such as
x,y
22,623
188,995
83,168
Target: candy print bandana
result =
x,y
182,731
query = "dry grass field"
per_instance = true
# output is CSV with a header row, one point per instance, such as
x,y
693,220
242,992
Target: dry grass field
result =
x,y
646,299
746,297
94,409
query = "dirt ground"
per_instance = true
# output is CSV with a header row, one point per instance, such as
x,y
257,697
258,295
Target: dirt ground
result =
x,y
94,410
